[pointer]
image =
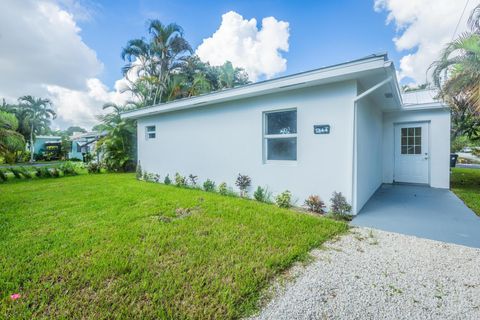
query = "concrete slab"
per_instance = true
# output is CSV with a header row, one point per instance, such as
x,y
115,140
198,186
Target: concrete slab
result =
x,y
421,211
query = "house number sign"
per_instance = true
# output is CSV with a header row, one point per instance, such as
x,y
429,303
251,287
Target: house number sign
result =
x,y
321,129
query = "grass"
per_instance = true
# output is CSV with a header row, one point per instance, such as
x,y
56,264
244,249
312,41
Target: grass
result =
x,y
466,185
108,246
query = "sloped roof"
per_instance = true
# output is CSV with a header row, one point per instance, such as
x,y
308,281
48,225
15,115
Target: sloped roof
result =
x,y
339,72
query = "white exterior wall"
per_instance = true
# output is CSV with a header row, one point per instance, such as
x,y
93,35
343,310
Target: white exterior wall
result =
x,y
222,140
439,143
369,127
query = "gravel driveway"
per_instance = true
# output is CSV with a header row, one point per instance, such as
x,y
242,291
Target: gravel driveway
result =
x,y
372,274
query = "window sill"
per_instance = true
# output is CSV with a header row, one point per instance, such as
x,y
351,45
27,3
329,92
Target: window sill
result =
x,y
287,163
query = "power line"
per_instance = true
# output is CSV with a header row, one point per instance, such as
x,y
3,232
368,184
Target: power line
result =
x,y
459,20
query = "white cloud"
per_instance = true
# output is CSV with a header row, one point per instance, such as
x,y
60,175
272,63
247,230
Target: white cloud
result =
x,y
239,40
43,54
423,28
81,107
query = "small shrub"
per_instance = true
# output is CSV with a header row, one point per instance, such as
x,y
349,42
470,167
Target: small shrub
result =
x,y
262,194
180,181
243,182
193,180
42,172
138,172
55,172
16,172
315,204
284,199
68,169
3,175
339,204
75,160
209,186
223,189
26,173
167,180
94,167
340,217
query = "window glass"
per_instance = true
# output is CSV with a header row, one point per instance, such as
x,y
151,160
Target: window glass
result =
x,y
282,122
150,132
282,149
411,140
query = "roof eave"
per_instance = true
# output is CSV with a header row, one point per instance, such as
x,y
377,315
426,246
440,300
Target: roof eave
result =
x,y
305,79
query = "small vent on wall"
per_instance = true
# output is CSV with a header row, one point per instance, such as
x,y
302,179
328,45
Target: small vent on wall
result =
x,y
388,95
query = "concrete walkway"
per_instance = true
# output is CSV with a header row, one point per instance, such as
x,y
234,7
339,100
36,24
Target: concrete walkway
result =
x,y
436,214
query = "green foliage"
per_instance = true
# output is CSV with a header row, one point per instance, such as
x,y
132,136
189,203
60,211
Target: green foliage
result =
x,y
94,167
315,204
55,172
180,181
458,143
457,74
223,189
42,172
167,180
284,199
3,175
11,141
35,113
243,182
68,168
193,180
25,172
118,144
209,186
167,70
111,229
17,173
262,194
339,204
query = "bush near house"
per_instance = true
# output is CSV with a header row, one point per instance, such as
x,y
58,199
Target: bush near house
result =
x,y
113,247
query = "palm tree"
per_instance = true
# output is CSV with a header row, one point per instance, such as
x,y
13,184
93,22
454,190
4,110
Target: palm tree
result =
x,y
38,114
457,72
118,142
10,140
169,46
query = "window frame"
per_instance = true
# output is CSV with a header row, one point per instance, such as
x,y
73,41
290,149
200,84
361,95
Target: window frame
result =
x,y
148,133
266,137
414,138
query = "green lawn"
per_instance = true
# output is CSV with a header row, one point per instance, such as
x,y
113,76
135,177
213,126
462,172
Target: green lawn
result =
x,y
108,246
466,185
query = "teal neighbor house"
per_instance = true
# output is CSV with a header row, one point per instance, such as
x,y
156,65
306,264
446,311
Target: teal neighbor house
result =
x,y
83,144
47,146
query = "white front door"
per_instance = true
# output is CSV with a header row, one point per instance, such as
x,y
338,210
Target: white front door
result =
x,y
411,153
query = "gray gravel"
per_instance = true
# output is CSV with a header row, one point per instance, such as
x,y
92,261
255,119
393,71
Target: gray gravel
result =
x,y
371,274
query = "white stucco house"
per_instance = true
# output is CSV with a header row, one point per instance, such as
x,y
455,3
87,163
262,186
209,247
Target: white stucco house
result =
x,y
344,128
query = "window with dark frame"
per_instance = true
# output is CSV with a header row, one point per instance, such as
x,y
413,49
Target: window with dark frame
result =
x,y
150,132
411,140
280,134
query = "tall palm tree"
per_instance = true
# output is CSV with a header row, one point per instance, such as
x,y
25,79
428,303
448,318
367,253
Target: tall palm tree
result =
x,y
154,61
169,46
38,115
457,72
10,140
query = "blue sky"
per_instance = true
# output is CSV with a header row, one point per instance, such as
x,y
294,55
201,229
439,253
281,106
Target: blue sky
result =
x,y
321,32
